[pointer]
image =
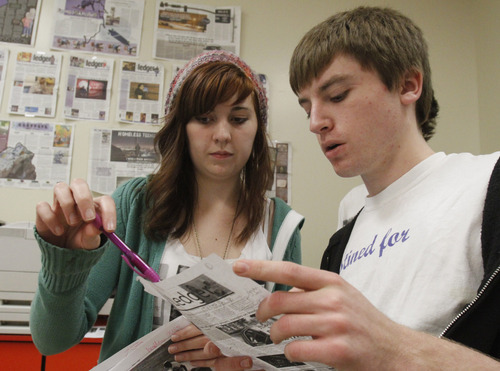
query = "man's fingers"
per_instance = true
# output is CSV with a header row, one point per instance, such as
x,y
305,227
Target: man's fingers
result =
x,y
286,273
294,325
314,351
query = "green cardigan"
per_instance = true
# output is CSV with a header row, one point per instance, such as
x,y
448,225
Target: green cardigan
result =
x,y
74,285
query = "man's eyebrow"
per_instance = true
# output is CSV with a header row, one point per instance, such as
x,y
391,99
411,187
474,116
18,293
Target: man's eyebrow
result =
x,y
334,80
338,79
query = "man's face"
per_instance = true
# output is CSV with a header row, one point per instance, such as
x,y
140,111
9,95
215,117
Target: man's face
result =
x,y
358,121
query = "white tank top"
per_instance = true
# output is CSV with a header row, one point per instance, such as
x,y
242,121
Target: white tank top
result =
x,y
175,259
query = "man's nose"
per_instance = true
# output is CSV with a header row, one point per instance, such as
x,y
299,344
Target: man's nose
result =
x,y
320,119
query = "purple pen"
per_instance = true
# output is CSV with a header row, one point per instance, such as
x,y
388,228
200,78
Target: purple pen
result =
x,y
132,259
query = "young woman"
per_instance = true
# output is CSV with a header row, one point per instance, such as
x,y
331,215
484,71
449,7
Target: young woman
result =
x,y
208,196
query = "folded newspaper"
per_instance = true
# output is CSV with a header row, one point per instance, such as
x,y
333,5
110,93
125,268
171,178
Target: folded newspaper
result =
x,y
223,306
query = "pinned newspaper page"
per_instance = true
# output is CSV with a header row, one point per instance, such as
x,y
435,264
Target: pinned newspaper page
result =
x,y
281,158
35,84
149,352
96,26
35,154
141,87
223,305
183,30
19,21
88,91
4,59
117,156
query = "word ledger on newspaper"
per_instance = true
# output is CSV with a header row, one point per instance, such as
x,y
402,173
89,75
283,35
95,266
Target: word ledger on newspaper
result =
x,y
223,305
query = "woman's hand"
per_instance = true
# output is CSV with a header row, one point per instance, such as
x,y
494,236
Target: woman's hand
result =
x,y
67,222
191,345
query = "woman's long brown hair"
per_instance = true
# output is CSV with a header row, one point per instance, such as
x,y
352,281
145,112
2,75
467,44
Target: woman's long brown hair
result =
x,y
172,191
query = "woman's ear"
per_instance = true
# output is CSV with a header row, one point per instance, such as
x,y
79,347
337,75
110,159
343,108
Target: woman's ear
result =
x,y
411,86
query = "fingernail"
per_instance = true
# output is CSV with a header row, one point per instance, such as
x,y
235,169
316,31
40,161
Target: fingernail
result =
x,y
240,267
59,231
89,214
174,337
73,219
179,357
172,349
245,363
213,350
110,226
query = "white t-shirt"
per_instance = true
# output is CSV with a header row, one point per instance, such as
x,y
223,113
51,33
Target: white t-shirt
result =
x,y
350,205
415,251
175,259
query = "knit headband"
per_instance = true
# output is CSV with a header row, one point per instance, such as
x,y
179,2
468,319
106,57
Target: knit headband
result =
x,y
217,56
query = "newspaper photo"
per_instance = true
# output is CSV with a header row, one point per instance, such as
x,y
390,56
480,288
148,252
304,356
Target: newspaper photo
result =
x,y
141,87
88,90
35,84
149,352
223,305
184,30
119,155
4,59
97,26
19,20
35,154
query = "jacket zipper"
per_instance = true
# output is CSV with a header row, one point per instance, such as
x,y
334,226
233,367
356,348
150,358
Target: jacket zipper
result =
x,y
467,308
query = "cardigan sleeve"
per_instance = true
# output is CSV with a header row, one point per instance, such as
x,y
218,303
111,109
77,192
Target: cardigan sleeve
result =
x,y
73,286
60,315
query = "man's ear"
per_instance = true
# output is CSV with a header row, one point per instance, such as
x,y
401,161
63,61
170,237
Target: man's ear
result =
x,y
411,86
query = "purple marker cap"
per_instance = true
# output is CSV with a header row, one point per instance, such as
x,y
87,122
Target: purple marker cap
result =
x,y
133,260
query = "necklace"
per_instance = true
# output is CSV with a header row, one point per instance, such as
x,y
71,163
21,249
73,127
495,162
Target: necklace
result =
x,y
226,250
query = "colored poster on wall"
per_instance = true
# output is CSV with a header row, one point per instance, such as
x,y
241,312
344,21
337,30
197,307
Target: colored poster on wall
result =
x,y
19,21
281,157
88,90
35,154
183,31
35,85
117,156
141,88
4,58
98,26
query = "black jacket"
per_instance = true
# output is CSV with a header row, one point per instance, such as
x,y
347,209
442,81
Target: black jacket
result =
x,y
478,325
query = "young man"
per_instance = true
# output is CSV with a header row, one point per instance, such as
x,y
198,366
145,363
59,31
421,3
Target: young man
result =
x,y
426,245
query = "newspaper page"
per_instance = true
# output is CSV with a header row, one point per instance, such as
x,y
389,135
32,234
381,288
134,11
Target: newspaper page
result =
x,y
96,26
88,91
4,59
149,352
36,81
281,158
19,20
119,155
183,31
223,306
35,154
141,88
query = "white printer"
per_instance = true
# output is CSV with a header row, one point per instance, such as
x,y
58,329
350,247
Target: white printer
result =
x,y
19,267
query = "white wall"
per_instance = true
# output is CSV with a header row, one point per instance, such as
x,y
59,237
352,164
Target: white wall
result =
x,y
270,31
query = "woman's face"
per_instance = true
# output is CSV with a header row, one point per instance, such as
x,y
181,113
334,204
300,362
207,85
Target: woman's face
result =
x,y
221,141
